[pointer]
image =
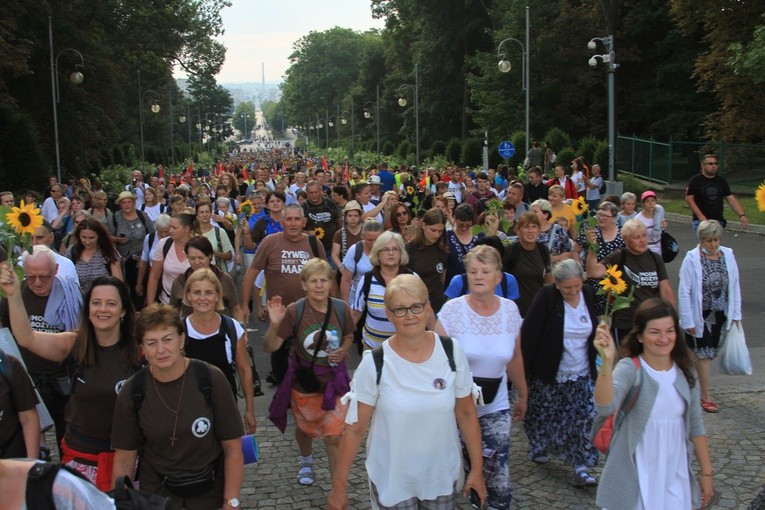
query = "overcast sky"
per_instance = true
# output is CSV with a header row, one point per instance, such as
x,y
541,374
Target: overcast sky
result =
x,y
264,31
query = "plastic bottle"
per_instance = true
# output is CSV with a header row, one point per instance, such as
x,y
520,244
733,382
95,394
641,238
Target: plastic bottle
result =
x,y
333,343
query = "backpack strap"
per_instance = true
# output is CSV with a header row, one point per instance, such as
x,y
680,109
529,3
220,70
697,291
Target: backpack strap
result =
x,y
217,238
143,207
166,247
544,252
6,369
515,254
299,309
464,288
314,245
446,343
229,329
138,389
339,307
503,285
152,235
203,378
357,255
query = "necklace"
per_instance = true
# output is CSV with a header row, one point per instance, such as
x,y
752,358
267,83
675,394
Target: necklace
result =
x,y
177,410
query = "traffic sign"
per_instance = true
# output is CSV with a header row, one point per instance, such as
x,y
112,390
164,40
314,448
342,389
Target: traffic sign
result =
x,y
506,149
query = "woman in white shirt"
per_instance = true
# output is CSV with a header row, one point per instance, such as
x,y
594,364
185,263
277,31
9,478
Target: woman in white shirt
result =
x,y
413,407
488,329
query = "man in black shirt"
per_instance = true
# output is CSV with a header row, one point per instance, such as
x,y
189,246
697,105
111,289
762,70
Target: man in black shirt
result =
x,y
705,194
322,215
535,188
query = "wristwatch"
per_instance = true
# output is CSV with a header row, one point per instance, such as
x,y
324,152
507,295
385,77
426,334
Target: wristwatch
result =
x,y
233,502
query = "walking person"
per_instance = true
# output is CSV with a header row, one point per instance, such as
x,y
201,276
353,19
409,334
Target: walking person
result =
x,y
705,194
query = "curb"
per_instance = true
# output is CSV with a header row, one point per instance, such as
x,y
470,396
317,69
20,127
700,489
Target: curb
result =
x,y
733,226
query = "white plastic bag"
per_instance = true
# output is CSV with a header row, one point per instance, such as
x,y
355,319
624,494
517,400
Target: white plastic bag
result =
x,y
734,356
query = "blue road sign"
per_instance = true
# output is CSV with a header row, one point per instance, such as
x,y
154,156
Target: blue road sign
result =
x,y
506,149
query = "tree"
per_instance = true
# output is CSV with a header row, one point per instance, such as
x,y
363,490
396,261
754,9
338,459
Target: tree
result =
x,y
244,118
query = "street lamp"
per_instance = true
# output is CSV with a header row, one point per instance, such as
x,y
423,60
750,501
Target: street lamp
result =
x,y
368,114
344,120
608,58
75,77
402,102
505,67
154,109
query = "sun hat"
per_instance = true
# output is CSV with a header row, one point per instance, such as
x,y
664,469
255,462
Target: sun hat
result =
x,y
352,205
124,195
449,195
374,179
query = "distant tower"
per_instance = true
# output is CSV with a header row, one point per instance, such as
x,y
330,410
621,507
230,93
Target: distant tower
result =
x,y
263,75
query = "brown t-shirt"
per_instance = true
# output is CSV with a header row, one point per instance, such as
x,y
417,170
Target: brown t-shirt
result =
x,y
35,307
199,432
644,272
309,328
282,260
350,240
14,398
94,392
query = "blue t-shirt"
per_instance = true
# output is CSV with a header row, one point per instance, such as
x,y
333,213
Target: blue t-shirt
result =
x,y
252,220
455,287
387,181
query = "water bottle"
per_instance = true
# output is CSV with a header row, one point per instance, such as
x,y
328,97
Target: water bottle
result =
x,y
333,343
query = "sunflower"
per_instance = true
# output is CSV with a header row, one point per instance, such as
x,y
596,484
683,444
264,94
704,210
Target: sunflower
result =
x,y
410,190
759,197
24,219
246,208
613,281
580,206
319,233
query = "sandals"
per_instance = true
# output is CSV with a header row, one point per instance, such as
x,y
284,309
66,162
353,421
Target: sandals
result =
x,y
305,474
709,406
583,479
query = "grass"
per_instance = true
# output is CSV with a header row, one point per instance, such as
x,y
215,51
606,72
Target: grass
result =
x,y
680,206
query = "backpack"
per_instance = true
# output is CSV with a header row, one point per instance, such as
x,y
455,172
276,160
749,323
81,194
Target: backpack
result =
x,y
300,307
515,255
201,375
141,216
42,476
357,257
602,188
502,285
366,285
229,330
446,342
161,208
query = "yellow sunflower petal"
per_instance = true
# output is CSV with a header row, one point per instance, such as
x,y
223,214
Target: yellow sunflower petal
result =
x,y
24,219
759,197
319,233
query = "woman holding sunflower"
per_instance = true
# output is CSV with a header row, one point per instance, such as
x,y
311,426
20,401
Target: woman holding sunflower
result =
x,y
556,342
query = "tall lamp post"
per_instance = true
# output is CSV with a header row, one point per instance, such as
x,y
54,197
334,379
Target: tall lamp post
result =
x,y
154,109
319,125
609,59
402,102
368,115
186,116
344,121
505,66
76,77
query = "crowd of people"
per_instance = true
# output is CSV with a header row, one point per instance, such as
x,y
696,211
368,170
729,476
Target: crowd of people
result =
x,y
472,296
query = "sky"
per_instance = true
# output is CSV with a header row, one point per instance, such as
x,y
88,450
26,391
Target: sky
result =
x,y
265,30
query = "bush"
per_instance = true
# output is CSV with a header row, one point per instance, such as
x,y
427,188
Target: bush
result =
x,y
453,150
388,148
631,184
404,149
557,138
23,164
565,156
113,179
519,140
587,146
118,157
472,153
600,156
437,149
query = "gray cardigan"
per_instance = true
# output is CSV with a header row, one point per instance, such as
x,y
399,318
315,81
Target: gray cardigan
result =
x,y
618,487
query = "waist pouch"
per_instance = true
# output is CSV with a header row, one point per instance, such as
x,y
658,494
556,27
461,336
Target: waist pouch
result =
x,y
308,379
489,387
191,485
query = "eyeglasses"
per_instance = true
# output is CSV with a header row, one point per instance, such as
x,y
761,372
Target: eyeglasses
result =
x,y
402,213
390,249
605,215
42,278
401,311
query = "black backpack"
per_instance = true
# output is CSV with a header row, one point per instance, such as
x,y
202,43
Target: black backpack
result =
x,y
41,477
602,188
446,342
515,255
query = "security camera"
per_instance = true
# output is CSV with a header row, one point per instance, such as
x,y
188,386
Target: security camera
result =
x,y
592,45
593,62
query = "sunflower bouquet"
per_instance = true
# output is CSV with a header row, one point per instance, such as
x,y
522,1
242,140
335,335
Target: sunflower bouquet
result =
x,y
18,225
613,287
493,208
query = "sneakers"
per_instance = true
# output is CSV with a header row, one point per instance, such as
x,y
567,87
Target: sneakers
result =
x,y
257,390
583,479
271,379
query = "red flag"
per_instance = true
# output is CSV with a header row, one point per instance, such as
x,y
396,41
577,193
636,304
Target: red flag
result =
x,y
161,173
347,171
284,169
189,173
324,164
220,168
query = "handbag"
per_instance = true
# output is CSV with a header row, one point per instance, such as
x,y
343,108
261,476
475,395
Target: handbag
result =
x,y
669,247
603,436
304,374
191,485
734,355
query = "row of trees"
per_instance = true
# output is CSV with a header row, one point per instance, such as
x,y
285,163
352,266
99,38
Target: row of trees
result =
x,y
687,70
98,119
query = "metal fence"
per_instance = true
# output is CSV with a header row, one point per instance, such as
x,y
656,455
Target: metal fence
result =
x,y
673,161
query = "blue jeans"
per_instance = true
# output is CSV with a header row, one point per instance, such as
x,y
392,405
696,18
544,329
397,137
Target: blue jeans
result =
x,y
695,224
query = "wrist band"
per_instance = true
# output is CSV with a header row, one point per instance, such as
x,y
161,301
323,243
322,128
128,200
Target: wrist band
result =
x,y
742,215
706,474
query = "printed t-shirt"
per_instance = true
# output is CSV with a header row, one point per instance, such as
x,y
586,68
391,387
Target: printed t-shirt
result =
x,y
529,272
709,194
94,392
430,263
322,219
19,396
199,431
282,260
644,272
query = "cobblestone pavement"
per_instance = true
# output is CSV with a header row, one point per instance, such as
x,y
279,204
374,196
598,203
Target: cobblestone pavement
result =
x,y
736,438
